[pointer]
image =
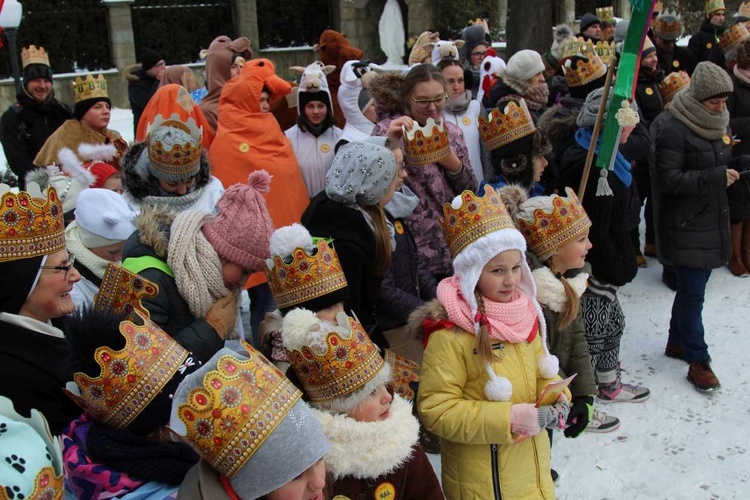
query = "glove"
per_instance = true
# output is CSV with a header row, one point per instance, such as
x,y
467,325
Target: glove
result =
x,y
524,419
554,416
223,315
579,416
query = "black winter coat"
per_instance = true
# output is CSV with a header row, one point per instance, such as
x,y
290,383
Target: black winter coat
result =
x,y
738,105
647,95
680,59
689,186
25,127
139,93
705,46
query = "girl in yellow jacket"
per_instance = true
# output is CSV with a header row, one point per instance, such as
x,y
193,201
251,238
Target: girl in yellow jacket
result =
x,y
486,362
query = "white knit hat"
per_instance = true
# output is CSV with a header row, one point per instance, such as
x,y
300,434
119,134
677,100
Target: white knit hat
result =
x,y
524,64
104,218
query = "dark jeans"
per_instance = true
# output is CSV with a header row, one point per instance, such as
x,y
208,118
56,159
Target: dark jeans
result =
x,y
261,302
686,325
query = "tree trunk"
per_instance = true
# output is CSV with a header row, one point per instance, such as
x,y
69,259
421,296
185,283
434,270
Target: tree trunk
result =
x,y
529,25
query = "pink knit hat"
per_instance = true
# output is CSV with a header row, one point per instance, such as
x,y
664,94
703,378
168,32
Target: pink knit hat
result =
x,y
242,228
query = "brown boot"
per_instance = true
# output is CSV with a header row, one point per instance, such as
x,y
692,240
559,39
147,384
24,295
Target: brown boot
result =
x,y
702,377
675,351
746,244
736,265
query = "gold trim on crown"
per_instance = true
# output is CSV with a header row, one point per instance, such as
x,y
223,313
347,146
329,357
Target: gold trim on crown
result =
x,y
307,277
673,83
31,223
658,6
47,486
428,144
731,39
122,291
339,366
606,51
584,67
238,406
548,231
573,46
606,14
668,25
34,55
503,127
182,160
89,88
714,5
476,217
130,378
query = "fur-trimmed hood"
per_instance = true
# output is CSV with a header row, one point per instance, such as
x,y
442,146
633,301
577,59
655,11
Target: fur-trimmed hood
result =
x,y
512,82
386,90
559,121
432,310
153,229
368,450
130,72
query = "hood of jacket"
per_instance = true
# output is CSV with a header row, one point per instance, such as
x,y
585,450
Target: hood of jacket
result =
x,y
432,310
386,90
153,232
132,72
559,122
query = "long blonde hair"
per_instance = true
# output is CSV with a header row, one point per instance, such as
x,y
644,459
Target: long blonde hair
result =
x,y
484,345
382,237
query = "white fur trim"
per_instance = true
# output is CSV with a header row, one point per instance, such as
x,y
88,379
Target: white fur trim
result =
x,y
366,450
497,388
288,238
101,152
550,292
73,167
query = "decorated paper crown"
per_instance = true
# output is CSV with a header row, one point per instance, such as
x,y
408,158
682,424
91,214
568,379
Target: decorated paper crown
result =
x,y
179,160
307,277
476,217
584,67
731,39
340,364
31,223
130,378
573,46
122,291
548,231
606,52
504,127
89,88
606,14
714,5
34,55
673,83
668,25
744,10
428,144
236,409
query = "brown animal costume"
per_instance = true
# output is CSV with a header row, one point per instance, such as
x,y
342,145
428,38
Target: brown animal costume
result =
x,y
334,49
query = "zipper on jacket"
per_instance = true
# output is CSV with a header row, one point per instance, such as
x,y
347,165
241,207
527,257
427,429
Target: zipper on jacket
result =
x,y
495,472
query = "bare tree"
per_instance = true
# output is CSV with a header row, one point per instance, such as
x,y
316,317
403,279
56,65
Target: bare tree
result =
x,y
529,25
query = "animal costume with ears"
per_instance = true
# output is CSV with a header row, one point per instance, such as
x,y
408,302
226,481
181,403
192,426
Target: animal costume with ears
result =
x,y
334,49
170,99
356,77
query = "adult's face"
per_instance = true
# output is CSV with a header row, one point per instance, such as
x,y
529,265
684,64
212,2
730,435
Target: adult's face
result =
x,y
594,31
651,61
51,295
715,104
177,188
537,79
158,70
477,54
427,101
39,89
718,18
97,117
454,77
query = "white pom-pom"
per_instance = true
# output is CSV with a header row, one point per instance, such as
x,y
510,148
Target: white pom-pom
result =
x,y
286,239
549,366
497,388
296,327
111,218
457,202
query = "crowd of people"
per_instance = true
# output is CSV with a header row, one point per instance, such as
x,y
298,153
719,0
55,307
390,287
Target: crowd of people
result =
x,y
432,258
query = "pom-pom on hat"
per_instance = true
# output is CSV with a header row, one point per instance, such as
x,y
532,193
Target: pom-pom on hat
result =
x,y
103,218
562,32
242,228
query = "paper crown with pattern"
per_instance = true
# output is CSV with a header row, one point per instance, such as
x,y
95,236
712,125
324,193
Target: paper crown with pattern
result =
x,y
89,88
477,216
606,51
178,160
506,126
732,37
306,277
131,377
34,55
31,223
546,231
744,10
606,14
573,46
428,144
338,363
668,25
122,291
234,411
713,6
583,67
673,83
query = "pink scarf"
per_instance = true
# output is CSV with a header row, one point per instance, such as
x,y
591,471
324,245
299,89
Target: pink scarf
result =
x,y
512,321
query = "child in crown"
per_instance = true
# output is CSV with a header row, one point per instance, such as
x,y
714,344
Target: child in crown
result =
x,y
486,362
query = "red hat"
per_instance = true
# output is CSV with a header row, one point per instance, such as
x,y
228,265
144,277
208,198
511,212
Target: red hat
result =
x,y
102,171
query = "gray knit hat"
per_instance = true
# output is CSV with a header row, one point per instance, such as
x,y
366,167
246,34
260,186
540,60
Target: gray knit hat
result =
x,y
589,19
248,422
709,80
361,172
621,31
587,115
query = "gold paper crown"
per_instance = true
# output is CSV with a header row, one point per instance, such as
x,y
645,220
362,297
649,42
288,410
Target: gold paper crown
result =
x,y
573,46
238,406
122,291
340,366
504,127
714,5
668,25
47,486
130,378
89,88
548,231
673,83
31,223
732,38
584,67
606,14
34,55
606,52
428,144
182,160
744,10
476,217
307,277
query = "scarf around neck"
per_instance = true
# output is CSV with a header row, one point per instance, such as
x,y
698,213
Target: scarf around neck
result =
x,y
622,165
458,105
536,96
706,123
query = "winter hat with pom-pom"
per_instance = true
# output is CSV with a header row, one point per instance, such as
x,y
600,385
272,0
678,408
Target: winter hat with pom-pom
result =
x,y
562,33
242,228
103,217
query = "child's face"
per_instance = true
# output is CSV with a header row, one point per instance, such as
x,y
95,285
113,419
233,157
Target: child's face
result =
x,y
307,486
571,255
398,178
265,104
316,112
329,313
501,276
375,408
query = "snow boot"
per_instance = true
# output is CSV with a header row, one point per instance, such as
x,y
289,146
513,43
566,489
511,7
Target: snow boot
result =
x,y
601,422
702,377
649,250
612,390
736,266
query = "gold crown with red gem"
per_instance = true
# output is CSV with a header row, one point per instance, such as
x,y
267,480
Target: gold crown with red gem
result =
x,y
713,6
428,144
34,55
668,25
178,160
306,277
234,410
122,291
606,51
584,65
89,88
606,14
673,83
31,223
546,231
131,377
731,39
503,127
477,216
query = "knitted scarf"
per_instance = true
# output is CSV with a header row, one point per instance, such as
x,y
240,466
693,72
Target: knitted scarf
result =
x,y
174,203
89,259
458,105
195,263
536,96
506,321
622,165
708,124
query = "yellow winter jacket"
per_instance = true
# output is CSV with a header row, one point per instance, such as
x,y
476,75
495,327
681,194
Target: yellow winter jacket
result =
x,y
479,459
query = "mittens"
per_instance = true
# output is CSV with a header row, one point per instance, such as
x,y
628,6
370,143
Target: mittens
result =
x,y
579,416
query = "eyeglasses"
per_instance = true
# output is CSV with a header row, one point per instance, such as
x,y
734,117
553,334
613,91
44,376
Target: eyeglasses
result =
x,y
478,54
71,261
425,103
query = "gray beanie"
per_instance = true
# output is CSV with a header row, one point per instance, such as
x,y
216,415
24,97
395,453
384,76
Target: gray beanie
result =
x,y
473,36
709,80
361,172
587,115
275,437
589,19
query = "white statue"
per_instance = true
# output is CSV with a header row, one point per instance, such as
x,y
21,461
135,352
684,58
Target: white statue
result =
x,y
392,37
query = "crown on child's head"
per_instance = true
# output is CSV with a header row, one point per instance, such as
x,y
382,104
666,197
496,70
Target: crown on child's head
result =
x,y
89,88
504,127
584,67
428,144
673,83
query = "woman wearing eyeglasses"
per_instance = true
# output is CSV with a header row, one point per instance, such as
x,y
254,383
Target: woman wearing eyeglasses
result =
x,y
420,96
37,278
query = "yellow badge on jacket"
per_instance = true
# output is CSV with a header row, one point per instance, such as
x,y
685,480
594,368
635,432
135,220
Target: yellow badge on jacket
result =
x,y
244,147
709,45
325,148
649,91
399,227
727,140
466,120
341,497
385,491
676,64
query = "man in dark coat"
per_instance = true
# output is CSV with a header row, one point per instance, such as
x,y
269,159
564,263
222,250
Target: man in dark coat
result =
x,y
705,44
143,82
667,29
36,114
